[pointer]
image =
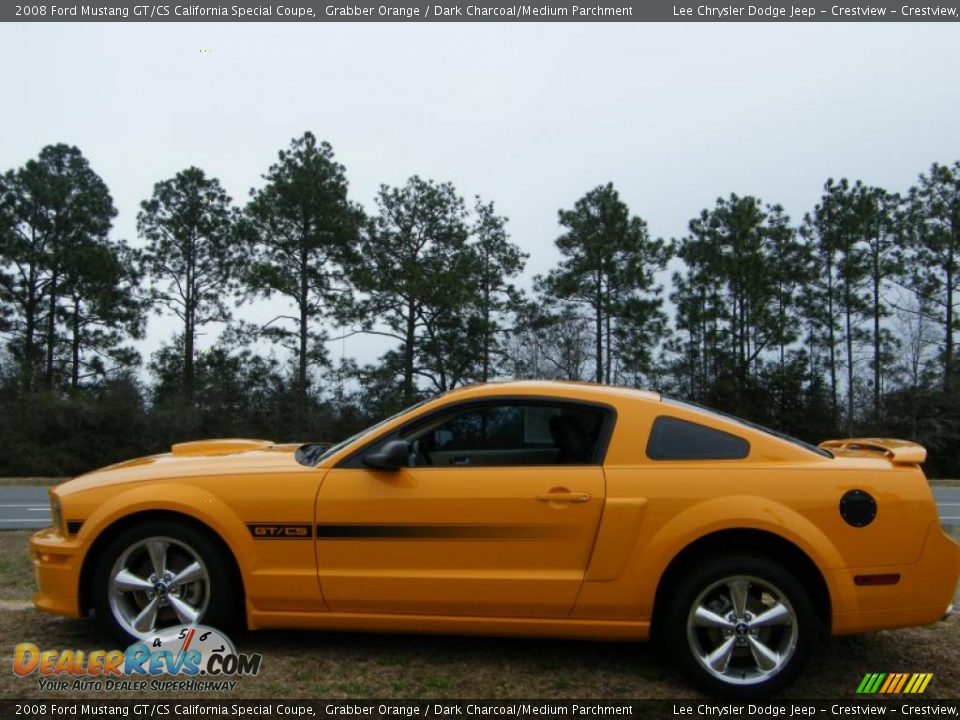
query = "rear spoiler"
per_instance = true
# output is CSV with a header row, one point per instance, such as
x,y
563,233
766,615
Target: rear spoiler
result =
x,y
899,452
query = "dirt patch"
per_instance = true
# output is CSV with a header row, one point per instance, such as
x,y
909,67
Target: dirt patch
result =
x,y
16,574
340,665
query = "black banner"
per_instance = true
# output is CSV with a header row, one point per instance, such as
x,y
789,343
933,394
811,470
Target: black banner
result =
x,y
484,11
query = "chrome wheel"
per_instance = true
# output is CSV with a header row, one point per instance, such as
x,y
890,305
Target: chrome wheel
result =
x,y
742,630
158,582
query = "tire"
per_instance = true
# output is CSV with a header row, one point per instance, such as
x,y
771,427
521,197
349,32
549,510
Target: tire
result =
x,y
198,585
711,626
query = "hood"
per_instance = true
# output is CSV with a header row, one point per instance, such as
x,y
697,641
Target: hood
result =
x,y
227,446
898,452
194,459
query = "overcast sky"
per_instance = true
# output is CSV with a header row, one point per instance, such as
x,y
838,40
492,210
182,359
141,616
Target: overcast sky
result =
x,y
530,116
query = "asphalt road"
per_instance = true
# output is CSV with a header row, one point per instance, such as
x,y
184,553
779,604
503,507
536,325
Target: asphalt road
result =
x,y
26,508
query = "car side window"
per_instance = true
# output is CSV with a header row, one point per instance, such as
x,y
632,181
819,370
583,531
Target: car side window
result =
x,y
492,428
675,439
511,434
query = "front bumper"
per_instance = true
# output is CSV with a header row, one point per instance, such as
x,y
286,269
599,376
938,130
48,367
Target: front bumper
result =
x,y
56,567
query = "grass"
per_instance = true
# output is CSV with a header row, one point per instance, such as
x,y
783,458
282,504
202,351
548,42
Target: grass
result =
x,y
31,481
341,665
16,575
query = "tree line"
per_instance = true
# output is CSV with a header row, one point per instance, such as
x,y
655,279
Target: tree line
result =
x,y
838,323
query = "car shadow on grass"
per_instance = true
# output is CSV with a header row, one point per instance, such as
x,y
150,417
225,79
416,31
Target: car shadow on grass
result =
x,y
314,664
456,666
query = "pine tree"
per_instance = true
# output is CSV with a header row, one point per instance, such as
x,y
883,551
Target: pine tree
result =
x,y
190,255
498,261
301,230
414,273
50,210
608,263
933,232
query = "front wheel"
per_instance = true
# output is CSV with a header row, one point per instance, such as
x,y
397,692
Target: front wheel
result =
x,y
158,575
741,626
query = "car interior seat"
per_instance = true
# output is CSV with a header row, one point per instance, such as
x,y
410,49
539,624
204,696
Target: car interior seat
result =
x,y
570,441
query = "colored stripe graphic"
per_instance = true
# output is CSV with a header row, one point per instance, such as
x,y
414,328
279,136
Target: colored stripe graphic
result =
x,y
893,683
901,681
886,686
870,683
918,683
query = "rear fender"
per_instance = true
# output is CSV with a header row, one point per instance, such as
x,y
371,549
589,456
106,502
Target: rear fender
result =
x,y
734,513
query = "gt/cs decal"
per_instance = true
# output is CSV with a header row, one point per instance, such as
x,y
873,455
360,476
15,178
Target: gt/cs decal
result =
x,y
280,531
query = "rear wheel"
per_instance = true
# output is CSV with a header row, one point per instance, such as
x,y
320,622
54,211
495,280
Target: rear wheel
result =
x,y
162,574
740,626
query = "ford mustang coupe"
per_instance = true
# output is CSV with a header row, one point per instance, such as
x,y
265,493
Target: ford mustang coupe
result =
x,y
526,508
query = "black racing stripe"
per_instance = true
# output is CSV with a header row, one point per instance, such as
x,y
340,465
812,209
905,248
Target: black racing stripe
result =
x,y
433,532
73,526
280,531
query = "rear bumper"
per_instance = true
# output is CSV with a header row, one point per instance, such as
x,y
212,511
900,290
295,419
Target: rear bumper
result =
x,y
923,595
56,569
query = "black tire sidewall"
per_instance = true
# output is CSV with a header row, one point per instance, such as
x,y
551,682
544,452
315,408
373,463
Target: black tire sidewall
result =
x,y
225,601
696,580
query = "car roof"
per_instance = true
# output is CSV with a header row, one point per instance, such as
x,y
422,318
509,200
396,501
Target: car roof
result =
x,y
564,388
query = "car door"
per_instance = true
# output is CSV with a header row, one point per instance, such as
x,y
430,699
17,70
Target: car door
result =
x,y
495,514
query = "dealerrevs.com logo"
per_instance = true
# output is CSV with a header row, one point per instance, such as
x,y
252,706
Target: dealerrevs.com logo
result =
x,y
204,657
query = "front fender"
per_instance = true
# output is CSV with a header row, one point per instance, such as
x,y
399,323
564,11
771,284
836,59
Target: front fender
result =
x,y
189,500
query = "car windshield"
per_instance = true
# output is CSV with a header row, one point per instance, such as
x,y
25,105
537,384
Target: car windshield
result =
x,y
747,423
312,454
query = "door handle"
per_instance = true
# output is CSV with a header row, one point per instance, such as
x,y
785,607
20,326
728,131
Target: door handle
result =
x,y
460,461
570,497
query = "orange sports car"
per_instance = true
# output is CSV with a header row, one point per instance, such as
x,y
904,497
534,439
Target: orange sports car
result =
x,y
527,508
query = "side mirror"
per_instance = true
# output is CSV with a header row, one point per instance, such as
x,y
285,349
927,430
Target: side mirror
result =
x,y
393,455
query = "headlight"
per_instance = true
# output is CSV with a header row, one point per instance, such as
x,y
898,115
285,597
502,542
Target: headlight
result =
x,y
56,514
